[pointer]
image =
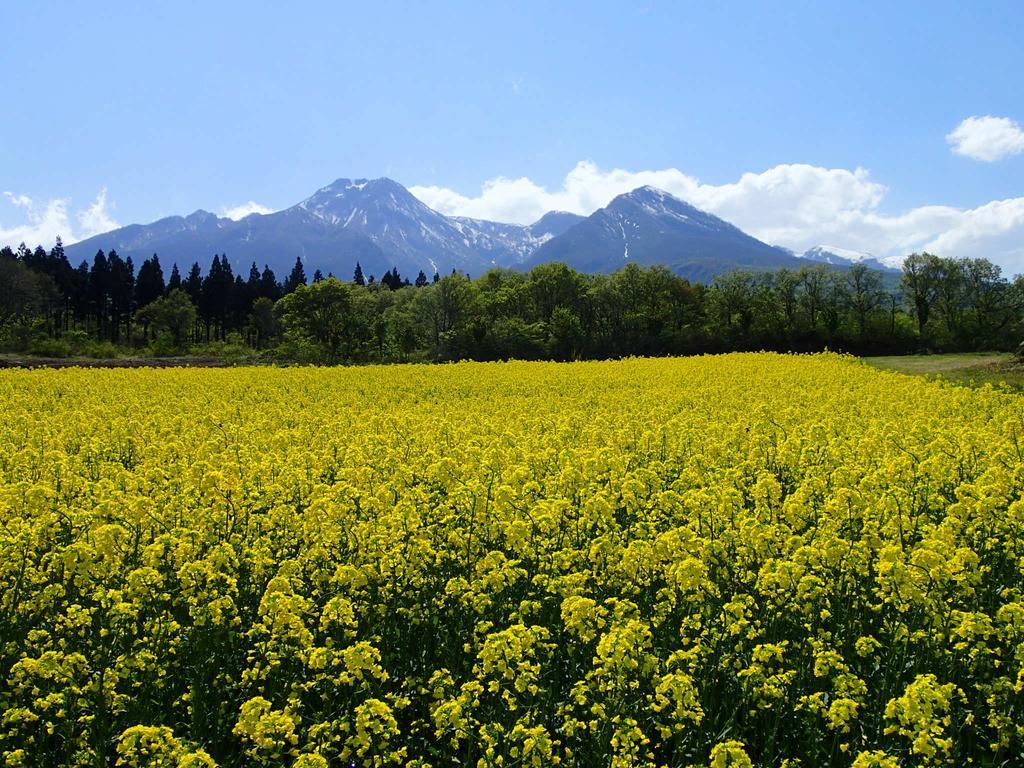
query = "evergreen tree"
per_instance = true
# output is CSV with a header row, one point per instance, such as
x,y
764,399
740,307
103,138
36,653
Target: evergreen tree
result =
x,y
58,268
421,279
318,276
228,275
174,281
269,287
99,290
358,278
209,295
437,277
122,290
252,285
392,279
36,259
296,278
215,304
239,303
149,286
227,301
194,283
80,295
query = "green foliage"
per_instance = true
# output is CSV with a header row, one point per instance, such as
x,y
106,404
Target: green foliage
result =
x,y
103,350
322,313
44,346
163,346
262,322
173,313
24,293
551,312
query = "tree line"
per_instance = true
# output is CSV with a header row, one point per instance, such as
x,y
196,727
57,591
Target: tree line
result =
x,y
550,312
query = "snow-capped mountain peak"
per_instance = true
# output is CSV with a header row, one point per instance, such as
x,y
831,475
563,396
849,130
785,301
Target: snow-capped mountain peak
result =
x,y
649,226
845,257
656,204
398,222
830,254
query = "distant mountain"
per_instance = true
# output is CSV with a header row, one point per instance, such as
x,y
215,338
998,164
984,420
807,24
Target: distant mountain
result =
x,y
378,223
649,226
414,235
275,239
843,257
515,242
555,223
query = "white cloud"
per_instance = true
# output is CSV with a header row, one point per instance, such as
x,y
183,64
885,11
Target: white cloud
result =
x,y
995,230
803,193
987,138
95,219
797,206
43,222
239,212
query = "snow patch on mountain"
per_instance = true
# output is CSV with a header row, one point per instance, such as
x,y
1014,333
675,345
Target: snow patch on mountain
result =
x,y
831,254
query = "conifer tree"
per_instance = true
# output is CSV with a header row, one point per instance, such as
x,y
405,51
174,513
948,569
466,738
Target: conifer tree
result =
x,y
122,294
81,293
174,281
252,285
269,287
99,290
239,303
149,286
297,276
194,283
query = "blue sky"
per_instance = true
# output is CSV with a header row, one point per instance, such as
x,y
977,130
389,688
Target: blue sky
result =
x,y
195,105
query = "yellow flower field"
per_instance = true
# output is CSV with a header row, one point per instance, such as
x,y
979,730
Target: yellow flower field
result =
x,y
745,560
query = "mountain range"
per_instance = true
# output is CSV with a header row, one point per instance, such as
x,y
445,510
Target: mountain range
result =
x,y
381,225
